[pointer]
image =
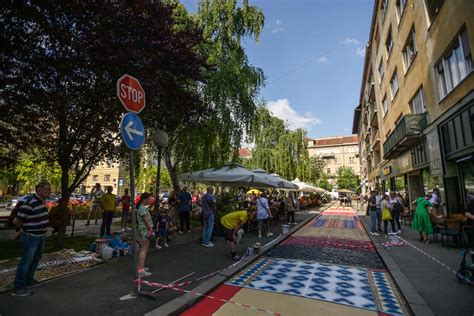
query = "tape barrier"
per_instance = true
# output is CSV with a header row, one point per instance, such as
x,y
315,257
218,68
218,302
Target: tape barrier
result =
x,y
437,261
154,284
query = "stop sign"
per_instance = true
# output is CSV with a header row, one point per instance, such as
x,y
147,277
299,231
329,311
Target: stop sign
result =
x,y
131,93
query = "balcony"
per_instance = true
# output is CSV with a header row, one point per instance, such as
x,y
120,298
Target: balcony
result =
x,y
407,133
373,116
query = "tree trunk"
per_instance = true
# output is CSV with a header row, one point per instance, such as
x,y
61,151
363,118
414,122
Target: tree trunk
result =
x,y
63,209
172,171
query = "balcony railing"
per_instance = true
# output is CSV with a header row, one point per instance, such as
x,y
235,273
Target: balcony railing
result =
x,y
373,116
407,133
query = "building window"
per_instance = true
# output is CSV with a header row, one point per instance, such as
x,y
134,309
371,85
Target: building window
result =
x,y
409,51
107,177
385,105
329,170
381,70
351,160
400,4
389,42
432,8
417,104
455,65
95,178
394,84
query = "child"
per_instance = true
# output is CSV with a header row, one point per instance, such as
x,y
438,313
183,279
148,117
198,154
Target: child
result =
x,y
162,224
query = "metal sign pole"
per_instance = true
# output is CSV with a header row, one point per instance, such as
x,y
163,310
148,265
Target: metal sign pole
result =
x,y
134,221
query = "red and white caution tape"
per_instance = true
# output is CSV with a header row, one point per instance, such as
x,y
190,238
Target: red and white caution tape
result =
x,y
205,276
436,260
154,284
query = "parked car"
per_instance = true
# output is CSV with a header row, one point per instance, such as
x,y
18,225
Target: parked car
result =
x,y
10,204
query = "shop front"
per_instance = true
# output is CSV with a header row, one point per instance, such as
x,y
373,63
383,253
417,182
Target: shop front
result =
x,y
457,140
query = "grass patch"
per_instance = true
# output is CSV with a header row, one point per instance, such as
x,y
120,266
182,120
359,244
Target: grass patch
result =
x,y
12,248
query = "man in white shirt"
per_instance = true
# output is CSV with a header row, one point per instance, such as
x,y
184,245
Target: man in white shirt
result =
x,y
436,202
263,213
96,198
378,201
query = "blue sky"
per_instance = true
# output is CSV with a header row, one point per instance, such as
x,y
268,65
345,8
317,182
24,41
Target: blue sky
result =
x,y
312,54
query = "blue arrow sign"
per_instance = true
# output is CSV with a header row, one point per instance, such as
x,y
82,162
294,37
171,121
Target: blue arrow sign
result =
x,y
133,131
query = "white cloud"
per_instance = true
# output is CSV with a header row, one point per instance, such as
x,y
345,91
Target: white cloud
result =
x,y
282,109
350,41
360,51
277,26
322,60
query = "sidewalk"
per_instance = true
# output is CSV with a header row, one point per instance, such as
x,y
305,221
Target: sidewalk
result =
x,y
98,291
417,274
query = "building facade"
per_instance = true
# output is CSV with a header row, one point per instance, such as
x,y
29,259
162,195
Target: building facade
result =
x,y
337,152
116,175
415,117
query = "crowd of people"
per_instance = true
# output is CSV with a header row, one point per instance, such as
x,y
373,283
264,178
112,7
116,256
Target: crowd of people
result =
x,y
156,223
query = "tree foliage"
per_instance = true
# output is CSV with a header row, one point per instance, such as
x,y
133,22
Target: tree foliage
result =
x,y
32,168
279,150
230,91
346,178
60,62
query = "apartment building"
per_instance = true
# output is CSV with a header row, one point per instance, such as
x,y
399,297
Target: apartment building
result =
x,y
337,152
415,117
116,175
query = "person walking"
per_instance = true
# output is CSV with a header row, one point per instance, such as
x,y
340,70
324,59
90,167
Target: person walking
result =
x,y
387,216
372,205
231,224
208,202
108,206
378,199
145,229
263,214
96,198
126,200
32,221
421,218
184,207
396,208
290,209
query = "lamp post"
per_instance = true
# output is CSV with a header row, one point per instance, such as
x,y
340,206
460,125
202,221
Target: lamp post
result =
x,y
161,140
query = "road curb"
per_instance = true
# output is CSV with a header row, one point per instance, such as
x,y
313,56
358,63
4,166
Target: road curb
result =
x,y
415,301
179,304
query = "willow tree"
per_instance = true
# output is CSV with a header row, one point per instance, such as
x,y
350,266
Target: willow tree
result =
x,y
231,88
278,149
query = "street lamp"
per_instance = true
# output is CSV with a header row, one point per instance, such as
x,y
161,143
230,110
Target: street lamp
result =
x,y
161,140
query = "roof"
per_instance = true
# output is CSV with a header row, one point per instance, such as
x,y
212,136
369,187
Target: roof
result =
x,y
245,152
337,140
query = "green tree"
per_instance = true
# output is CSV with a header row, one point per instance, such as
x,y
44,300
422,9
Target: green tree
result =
x,y
279,150
323,183
346,178
230,91
32,168
60,62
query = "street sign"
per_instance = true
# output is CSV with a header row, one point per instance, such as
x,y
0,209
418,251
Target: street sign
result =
x,y
131,93
133,131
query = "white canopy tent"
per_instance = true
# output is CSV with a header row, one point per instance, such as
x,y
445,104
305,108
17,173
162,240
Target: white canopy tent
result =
x,y
231,174
304,187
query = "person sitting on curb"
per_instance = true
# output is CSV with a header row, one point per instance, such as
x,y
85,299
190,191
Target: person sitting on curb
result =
x,y
231,224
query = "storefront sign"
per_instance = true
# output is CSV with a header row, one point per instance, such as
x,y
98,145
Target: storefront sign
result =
x,y
387,170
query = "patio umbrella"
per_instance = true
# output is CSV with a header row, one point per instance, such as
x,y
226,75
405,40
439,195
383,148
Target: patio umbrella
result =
x,y
254,191
345,191
277,181
231,174
302,186
286,184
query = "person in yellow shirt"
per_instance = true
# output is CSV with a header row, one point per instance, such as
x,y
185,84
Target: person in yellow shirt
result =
x,y
108,206
231,224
